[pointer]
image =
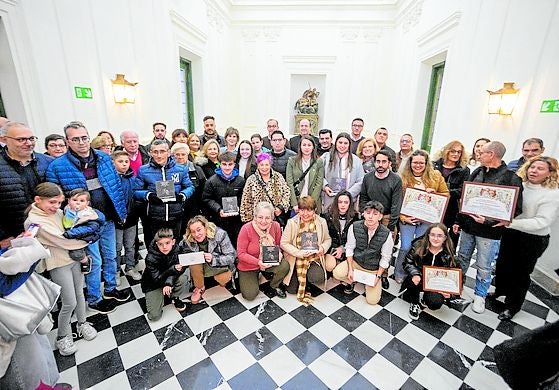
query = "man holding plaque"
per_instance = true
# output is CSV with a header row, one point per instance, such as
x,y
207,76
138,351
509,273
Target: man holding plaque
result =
x,y
481,232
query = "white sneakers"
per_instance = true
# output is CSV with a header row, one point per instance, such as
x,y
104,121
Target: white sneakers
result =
x,y
134,274
66,346
479,304
87,331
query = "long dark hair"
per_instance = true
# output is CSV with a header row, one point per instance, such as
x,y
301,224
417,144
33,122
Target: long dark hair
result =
x,y
299,156
334,153
334,211
251,159
448,246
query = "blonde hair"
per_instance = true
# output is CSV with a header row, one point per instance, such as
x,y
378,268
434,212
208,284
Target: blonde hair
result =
x,y
361,145
210,227
428,175
207,145
444,152
552,181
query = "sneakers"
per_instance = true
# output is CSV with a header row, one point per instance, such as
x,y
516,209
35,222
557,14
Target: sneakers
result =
x,y
134,274
87,331
119,295
118,280
479,304
179,305
415,310
66,346
197,295
104,306
86,267
349,288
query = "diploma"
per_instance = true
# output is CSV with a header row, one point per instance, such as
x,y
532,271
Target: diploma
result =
x,y
490,200
368,278
191,258
443,280
425,206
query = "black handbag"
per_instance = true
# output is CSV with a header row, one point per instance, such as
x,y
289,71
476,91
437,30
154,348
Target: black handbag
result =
x,y
296,183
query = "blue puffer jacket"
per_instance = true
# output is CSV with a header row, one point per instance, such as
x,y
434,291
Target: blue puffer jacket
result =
x,y
65,171
150,174
89,231
14,198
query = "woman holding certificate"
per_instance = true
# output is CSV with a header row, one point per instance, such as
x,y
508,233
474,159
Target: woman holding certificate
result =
x,y
527,235
433,249
418,173
304,241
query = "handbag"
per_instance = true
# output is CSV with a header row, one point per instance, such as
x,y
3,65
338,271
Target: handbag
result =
x,y
296,182
22,311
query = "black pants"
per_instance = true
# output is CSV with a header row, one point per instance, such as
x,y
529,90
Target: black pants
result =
x,y
433,300
518,255
315,275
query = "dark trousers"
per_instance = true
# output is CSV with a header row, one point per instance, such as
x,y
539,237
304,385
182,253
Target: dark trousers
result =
x,y
433,300
518,255
315,275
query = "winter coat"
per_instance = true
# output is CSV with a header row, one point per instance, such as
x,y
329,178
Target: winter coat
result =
x,y
208,166
339,237
129,185
413,263
256,190
454,182
217,187
315,177
160,269
88,228
220,247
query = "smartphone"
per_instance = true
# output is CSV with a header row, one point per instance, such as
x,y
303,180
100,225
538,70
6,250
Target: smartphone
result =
x,y
31,231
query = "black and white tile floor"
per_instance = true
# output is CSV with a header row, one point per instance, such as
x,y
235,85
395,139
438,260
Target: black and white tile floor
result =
x,y
340,341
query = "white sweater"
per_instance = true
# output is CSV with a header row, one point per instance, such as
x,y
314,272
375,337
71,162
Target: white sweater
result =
x,y
540,208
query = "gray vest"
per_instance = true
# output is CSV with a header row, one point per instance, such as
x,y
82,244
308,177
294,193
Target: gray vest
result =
x,y
367,253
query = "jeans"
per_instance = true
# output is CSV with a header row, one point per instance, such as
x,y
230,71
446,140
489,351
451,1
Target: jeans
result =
x,y
102,252
487,249
126,238
407,234
69,278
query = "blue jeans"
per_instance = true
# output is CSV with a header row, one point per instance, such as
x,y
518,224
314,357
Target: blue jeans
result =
x,y
102,252
407,234
487,249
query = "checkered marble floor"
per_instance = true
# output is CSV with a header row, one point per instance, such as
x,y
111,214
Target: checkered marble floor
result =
x,y
338,342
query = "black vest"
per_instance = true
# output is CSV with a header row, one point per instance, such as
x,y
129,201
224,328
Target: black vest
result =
x,y
368,253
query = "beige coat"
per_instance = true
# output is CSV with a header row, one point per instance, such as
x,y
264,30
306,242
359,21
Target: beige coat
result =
x,y
289,239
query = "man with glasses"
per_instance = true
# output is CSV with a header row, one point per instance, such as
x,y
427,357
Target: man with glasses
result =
x,y
271,125
84,167
480,232
532,147
406,149
355,134
55,145
279,153
21,170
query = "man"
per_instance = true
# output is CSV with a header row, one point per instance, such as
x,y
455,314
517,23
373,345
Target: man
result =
x,y
325,141
137,153
406,149
210,132
484,233
355,134
165,186
279,153
55,145
272,125
159,132
226,183
368,249
384,186
21,170
381,135
257,143
304,129
532,147
84,167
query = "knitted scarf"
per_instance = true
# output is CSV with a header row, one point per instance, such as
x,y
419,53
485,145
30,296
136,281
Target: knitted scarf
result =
x,y
302,264
266,238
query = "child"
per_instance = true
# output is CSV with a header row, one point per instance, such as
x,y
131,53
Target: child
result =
x,y
81,222
65,272
126,232
163,274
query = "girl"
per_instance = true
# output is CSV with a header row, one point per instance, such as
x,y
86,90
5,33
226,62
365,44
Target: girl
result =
x,y
46,212
246,161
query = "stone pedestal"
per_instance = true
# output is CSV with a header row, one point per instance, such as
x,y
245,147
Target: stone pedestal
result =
x,y
313,118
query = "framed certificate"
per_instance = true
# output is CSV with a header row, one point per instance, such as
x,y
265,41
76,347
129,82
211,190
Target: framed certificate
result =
x,y
441,279
425,206
490,200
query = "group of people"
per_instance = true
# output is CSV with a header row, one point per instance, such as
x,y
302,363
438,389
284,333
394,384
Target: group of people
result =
x,y
295,211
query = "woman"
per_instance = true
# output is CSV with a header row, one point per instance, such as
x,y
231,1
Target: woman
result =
x,y
342,171
418,173
433,249
219,254
305,173
305,265
476,153
101,143
366,151
231,140
339,217
246,161
265,185
193,143
261,231
179,135
108,136
451,163
207,158
527,235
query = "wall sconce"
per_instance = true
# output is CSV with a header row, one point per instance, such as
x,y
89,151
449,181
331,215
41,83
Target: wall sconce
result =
x,y
123,90
503,101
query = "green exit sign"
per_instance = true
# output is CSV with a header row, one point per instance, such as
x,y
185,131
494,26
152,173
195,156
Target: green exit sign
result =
x,y
550,106
83,93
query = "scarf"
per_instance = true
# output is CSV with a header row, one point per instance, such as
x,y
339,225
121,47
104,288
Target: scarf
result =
x,y
302,264
266,238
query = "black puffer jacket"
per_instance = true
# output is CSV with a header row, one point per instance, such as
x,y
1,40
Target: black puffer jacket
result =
x,y
339,237
160,269
16,193
454,182
413,263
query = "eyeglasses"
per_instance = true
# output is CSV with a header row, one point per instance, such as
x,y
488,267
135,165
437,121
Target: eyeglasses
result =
x,y
356,125
405,141
455,151
434,235
22,140
77,140
277,140
56,145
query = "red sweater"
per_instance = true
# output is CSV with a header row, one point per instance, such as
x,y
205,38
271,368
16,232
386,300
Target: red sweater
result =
x,y
248,245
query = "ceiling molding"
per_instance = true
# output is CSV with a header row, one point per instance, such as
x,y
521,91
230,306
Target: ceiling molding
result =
x,y
309,59
439,29
185,25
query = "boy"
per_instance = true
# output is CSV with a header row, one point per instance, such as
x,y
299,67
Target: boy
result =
x,y
126,232
81,222
163,274
258,145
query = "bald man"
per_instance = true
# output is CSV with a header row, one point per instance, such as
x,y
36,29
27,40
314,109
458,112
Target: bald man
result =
x,y
304,129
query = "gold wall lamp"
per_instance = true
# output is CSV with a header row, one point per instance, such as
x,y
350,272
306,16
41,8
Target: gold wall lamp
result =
x,y
503,101
124,91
